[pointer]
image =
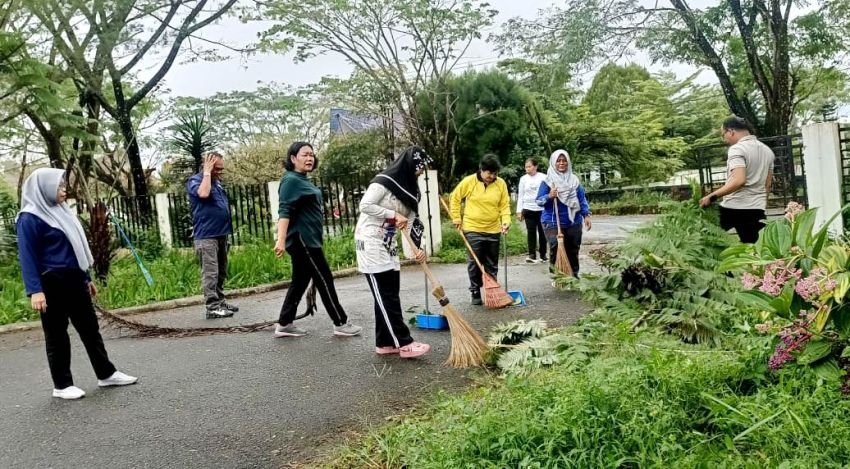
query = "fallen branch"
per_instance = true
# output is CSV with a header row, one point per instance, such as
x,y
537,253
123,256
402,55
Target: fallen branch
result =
x,y
149,330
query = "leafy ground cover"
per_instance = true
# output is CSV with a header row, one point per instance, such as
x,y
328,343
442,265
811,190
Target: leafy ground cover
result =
x,y
670,370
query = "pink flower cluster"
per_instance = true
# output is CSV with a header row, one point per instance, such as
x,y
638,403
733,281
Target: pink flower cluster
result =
x,y
814,285
793,337
776,275
793,209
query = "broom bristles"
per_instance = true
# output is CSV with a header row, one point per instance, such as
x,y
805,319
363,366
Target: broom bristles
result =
x,y
495,297
467,348
562,263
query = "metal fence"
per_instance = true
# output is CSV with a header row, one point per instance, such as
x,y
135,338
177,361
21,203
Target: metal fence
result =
x,y
341,198
249,213
131,213
789,173
252,217
844,142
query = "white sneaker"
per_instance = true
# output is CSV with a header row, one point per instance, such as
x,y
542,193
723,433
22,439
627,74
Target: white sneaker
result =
x,y
347,330
290,330
117,379
71,392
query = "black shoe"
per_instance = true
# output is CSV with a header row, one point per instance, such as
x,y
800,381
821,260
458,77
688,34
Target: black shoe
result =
x,y
544,259
230,307
476,298
218,313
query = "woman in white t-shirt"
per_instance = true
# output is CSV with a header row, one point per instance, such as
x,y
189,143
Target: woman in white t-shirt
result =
x,y
528,210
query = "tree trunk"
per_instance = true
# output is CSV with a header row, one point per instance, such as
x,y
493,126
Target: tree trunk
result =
x,y
23,170
137,173
92,105
52,141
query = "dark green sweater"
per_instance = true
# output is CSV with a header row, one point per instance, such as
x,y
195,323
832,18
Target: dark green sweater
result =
x,y
301,201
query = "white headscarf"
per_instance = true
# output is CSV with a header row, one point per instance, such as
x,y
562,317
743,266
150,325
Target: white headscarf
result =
x,y
38,197
566,183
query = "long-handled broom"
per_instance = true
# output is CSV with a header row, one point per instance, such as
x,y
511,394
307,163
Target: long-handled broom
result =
x,y
495,297
562,263
467,347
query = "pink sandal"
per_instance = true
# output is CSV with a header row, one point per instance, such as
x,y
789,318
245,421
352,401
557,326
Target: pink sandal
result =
x,y
413,349
386,350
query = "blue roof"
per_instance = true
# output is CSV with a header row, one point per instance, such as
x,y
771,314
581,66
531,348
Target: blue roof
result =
x,y
344,121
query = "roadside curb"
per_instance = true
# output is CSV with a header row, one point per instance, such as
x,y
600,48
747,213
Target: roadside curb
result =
x,y
198,299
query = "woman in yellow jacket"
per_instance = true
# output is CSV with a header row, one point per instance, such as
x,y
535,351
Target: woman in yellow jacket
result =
x,y
486,215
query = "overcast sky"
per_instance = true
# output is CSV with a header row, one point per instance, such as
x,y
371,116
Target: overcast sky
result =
x,y
240,73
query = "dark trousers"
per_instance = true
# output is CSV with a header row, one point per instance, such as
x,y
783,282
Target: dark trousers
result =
x,y
390,329
212,253
747,222
310,264
486,247
68,298
572,243
536,236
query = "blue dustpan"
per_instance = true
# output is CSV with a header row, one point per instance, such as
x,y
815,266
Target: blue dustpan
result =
x,y
431,321
519,298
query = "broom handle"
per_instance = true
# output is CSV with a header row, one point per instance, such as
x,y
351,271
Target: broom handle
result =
x,y
434,282
505,242
463,236
557,217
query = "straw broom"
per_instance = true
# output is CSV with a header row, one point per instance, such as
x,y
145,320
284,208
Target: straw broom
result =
x,y
562,263
467,347
495,297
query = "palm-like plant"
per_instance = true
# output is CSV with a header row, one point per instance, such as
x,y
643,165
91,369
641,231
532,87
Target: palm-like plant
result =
x,y
192,137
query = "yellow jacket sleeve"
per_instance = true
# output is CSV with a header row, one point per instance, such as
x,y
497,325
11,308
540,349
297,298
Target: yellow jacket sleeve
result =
x,y
505,204
456,199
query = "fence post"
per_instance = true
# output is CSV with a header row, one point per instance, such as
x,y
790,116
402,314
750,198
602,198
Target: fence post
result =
x,y
429,202
163,220
822,160
273,205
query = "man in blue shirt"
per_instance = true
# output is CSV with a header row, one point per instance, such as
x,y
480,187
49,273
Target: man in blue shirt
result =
x,y
211,227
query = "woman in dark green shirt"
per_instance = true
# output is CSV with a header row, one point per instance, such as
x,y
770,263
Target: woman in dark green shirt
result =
x,y
299,233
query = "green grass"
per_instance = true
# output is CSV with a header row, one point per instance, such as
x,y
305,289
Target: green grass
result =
x,y
654,402
634,202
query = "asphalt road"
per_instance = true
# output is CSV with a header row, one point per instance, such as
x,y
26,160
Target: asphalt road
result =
x,y
245,399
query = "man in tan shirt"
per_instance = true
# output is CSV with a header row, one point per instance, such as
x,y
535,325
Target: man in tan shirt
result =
x,y
749,174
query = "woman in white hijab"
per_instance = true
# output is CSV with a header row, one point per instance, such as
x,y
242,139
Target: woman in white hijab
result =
x,y
562,191
55,258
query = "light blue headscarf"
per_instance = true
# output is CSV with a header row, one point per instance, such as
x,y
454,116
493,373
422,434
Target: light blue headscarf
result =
x,y
38,197
566,183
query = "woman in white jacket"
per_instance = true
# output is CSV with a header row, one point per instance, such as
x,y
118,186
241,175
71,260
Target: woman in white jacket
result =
x,y
389,204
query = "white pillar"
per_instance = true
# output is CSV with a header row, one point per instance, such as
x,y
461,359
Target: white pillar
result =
x,y
822,159
163,220
274,201
433,226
